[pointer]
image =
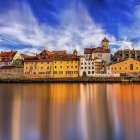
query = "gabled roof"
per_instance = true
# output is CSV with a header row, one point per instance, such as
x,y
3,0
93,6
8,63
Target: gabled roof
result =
x,y
63,52
88,50
25,56
101,50
7,56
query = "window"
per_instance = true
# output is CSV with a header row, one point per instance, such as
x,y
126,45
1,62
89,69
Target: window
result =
x,y
89,67
92,63
76,72
48,72
85,63
131,66
85,67
41,72
67,66
60,72
81,67
92,72
81,63
55,67
125,68
55,72
34,72
120,68
71,66
92,67
47,67
89,63
88,72
75,66
137,68
60,66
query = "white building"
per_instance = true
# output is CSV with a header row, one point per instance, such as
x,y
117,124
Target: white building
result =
x,y
102,53
86,67
8,58
91,67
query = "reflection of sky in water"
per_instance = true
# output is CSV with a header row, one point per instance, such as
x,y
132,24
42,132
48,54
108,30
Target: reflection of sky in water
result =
x,y
69,112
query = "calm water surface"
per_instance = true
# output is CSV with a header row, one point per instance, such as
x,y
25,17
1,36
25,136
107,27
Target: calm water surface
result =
x,y
69,111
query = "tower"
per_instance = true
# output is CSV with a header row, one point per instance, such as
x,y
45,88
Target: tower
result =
x,y
105,43
75,52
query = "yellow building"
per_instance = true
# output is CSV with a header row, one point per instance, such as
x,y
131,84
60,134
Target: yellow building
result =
x,y
56,64
128,66
66,68
35,68
65,65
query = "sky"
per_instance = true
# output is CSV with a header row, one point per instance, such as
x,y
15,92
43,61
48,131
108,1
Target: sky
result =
x,y
31,26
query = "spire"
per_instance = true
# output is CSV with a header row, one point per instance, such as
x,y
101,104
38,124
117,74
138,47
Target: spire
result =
x,y
75,52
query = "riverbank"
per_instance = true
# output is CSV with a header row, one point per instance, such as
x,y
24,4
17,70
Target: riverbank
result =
x,y
78,79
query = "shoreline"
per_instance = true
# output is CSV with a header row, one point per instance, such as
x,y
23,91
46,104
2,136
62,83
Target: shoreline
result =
x,y
72,80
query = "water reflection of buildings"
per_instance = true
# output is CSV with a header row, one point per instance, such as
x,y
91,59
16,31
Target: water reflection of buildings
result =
x,y
95,120
69,112
125,104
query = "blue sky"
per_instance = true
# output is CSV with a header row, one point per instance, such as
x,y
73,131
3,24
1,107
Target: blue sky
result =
x,y
33,25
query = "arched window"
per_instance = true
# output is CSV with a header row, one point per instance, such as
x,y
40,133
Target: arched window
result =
x,y
131,66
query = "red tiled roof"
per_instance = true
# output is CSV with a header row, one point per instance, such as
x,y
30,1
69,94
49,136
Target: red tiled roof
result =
x,y
101,50
25,56
88,50
7,56
63,52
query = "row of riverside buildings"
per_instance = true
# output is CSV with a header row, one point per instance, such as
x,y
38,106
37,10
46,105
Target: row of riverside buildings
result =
x,y
59,64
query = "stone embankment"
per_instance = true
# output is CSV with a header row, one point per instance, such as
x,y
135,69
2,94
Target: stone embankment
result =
x,y
76,80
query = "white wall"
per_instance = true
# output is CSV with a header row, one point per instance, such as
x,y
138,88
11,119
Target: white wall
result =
x,y
103,56
89,65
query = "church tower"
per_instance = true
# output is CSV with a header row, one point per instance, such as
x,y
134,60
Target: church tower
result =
x,y
105,43
75,52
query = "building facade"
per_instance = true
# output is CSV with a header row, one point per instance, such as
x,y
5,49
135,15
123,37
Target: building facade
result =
x,y
56,64
102,52
35,68
91,67
125,54
7,72
8,58
125,67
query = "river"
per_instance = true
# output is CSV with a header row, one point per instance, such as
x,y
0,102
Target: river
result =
x,y
70,111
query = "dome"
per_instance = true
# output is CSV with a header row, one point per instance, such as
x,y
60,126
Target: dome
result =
x,y
105,40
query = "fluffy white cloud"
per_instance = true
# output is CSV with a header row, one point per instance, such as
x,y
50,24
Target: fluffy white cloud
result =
x,y
76,30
